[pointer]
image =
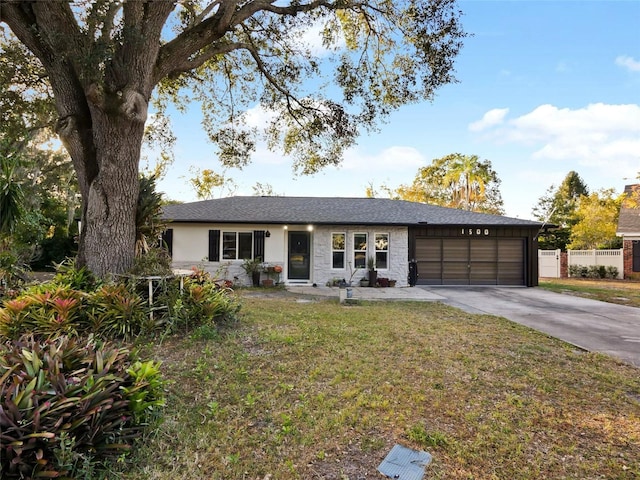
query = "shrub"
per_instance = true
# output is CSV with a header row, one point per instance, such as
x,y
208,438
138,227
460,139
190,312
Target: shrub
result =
x,y
593,271
156,261
49,310
12,270
65,405
578,271
116,311
69,275
203,303
612,272
43,311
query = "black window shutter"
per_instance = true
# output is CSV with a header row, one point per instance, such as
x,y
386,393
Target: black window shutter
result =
x,y
167,241
214,245
258,244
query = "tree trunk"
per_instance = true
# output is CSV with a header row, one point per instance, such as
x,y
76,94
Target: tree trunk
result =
x,y
108,224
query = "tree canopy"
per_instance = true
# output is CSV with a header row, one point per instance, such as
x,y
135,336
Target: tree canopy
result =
x,y
104,60
596,221
457,181
558,207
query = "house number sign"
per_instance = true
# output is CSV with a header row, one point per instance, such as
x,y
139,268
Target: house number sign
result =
x,y
475,231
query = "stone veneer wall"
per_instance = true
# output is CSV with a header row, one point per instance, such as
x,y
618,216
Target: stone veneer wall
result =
x,y
321,271
218,270
398,251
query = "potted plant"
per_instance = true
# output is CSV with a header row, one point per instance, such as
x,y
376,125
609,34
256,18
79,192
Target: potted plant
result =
x,y
373,274
270,270
253,267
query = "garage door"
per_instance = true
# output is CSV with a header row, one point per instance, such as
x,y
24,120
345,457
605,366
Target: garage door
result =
x,y
470,261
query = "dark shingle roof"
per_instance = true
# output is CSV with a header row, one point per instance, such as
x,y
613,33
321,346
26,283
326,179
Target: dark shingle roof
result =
x,y
330,210
629,219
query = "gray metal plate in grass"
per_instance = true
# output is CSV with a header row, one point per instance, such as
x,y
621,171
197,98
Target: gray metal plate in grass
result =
x,y
404,463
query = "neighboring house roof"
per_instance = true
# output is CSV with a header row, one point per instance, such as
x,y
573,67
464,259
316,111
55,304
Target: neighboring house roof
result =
x,y
330,210
629,219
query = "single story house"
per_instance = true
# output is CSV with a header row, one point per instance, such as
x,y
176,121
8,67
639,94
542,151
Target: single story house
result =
x,y
316,240
629,230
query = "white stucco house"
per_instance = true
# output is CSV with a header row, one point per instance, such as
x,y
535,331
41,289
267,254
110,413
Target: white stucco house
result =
x,y
317,239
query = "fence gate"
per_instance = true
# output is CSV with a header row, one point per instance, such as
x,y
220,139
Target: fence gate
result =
x,y
549,263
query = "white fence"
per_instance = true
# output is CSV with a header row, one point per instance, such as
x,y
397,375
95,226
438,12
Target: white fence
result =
x,y
549,260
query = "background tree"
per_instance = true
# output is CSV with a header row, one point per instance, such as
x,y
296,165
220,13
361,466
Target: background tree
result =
x,y
11,197
558,207
104,59
596,221
264,190
38,177
149,223
206,182
457,181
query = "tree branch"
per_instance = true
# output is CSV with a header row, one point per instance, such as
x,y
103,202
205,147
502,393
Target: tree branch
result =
x,y
212,29
210,52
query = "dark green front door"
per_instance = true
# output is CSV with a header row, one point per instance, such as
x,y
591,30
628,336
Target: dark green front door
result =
x,y
299,255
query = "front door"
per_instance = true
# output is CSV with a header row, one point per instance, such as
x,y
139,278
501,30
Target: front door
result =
x,y
299,256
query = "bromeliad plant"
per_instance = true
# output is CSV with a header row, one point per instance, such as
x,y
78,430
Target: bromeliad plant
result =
x,y
61,395
43,311
115,310
203,304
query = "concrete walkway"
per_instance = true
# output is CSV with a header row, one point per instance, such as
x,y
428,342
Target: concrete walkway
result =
x,y
371,294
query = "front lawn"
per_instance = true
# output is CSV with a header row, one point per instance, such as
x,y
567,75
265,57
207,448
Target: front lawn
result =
x,y
612,291
315,390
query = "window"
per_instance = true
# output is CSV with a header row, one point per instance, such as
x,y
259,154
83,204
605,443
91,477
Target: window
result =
x,y
359,250
382,251
337,250
237,245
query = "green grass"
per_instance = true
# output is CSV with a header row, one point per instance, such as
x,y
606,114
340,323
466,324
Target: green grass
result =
x,y
612,291
317,390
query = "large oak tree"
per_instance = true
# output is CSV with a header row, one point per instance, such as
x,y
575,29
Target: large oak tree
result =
x,y
104,59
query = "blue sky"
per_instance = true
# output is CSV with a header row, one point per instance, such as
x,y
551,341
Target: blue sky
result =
x,y
545,87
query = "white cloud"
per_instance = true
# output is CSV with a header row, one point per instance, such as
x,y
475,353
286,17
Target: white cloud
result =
x,y
628,62
490,119
311,38
396,158
258,117
596,135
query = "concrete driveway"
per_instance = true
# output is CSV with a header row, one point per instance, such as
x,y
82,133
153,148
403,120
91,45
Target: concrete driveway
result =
x,y
589,324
